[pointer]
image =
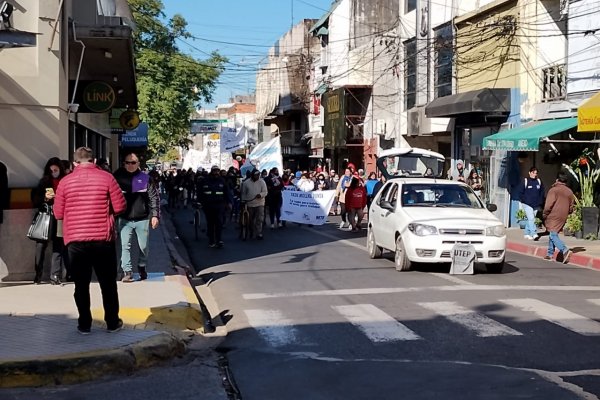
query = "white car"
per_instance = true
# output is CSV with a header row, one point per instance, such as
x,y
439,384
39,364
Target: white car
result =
x,y
421,217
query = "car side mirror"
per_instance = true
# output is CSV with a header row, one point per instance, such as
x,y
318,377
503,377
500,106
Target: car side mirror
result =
x,y
386,205
491,207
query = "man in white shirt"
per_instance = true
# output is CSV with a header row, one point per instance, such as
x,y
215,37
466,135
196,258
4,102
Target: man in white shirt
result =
x,y
254,191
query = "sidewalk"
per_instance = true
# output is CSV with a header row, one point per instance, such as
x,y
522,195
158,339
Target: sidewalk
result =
x,y
586,253
40,344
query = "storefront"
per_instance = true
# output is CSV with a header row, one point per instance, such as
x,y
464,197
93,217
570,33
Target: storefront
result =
x,y
345,113
543,144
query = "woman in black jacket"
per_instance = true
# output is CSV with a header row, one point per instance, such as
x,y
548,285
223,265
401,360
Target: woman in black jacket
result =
x,y
44,194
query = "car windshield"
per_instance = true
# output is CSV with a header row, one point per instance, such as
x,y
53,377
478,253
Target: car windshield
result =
x,y
413,165
439,195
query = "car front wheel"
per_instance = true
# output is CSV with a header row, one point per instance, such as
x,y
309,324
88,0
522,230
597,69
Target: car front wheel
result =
x,y
374,250
400,258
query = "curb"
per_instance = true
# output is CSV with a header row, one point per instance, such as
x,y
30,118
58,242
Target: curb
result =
x,y
579,260
76,368
207,310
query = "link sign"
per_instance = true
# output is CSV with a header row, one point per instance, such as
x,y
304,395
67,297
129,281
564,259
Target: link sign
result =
x,y
99,97
463,259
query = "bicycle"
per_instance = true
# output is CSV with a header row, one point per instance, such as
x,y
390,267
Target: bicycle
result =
x,y
244,222
196,207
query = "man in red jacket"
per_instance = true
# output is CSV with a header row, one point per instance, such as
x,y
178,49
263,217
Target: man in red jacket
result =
x,y
356,200
87,201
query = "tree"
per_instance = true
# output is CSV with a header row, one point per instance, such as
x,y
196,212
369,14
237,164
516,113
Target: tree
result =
x,y
170,83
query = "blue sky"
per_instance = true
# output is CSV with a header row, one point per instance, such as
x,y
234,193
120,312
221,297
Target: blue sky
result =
x,y
249,28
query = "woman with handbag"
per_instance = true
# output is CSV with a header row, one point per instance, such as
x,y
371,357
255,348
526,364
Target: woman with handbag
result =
x,y
42,198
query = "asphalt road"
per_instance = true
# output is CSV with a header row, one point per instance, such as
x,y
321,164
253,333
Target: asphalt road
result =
x,y
310,316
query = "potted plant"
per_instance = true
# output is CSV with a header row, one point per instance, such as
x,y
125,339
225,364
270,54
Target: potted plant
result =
x,y
587,176
521,218
574,224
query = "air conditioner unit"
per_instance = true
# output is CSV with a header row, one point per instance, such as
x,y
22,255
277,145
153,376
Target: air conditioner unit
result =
x,y
506,126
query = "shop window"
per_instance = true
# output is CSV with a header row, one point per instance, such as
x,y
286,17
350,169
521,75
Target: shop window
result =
x,y
444,54
410,73
554,83
409,5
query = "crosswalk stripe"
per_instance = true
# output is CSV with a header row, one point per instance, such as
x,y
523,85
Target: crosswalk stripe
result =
x,y
375,323
557,315
479,323
594,301
272,326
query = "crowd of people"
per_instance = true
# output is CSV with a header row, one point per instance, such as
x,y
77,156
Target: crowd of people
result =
x,y
223,192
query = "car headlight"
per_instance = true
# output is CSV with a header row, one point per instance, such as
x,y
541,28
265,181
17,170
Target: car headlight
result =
x,y
422,230
496,230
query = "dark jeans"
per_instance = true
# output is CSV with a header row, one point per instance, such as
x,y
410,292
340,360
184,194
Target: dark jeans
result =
x,y
343,212
214,223
275,209
58,258
102,257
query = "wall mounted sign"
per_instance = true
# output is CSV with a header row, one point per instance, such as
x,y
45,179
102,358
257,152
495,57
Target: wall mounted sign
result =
x,y
99,97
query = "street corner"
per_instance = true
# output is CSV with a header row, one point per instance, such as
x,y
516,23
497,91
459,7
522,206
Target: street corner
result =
x,y
172,318
86,366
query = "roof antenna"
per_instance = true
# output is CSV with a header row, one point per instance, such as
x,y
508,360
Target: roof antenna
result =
x,y
292,1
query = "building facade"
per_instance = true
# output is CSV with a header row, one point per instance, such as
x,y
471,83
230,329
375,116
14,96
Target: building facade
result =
x,y
283,96
58,92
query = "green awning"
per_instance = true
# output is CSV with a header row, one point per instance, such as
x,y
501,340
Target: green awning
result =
x,y
319,28
321,89
322,31
527,137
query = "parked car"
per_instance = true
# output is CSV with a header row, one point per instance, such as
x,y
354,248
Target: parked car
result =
x,y
420,217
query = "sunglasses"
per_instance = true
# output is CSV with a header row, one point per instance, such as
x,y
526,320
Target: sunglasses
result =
x,y
131,162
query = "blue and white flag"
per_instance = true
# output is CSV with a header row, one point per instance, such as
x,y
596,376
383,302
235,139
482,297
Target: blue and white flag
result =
x,y
232,139
265,155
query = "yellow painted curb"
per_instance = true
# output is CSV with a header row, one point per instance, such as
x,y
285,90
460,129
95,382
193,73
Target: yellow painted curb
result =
x,y
81,367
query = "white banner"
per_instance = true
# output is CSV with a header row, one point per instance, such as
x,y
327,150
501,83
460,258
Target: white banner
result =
x,y
193,159
265,155
306,207
232,139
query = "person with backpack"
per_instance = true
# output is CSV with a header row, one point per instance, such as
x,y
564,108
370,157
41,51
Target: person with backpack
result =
x,y
531,194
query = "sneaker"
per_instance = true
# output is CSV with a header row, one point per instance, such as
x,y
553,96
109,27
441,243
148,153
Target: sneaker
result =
x,y
127,277
567,256
84,331
260,237
536,238
116,328
528,237
212,245
548,258
55,281
272,226
220,244
342,225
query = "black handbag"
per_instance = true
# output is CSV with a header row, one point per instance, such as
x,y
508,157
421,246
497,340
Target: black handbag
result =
x,y
41,226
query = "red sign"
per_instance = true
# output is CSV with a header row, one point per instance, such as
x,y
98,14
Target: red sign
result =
x,y
316,105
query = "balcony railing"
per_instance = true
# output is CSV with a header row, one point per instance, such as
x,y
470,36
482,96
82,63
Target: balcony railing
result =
x,y
291,138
